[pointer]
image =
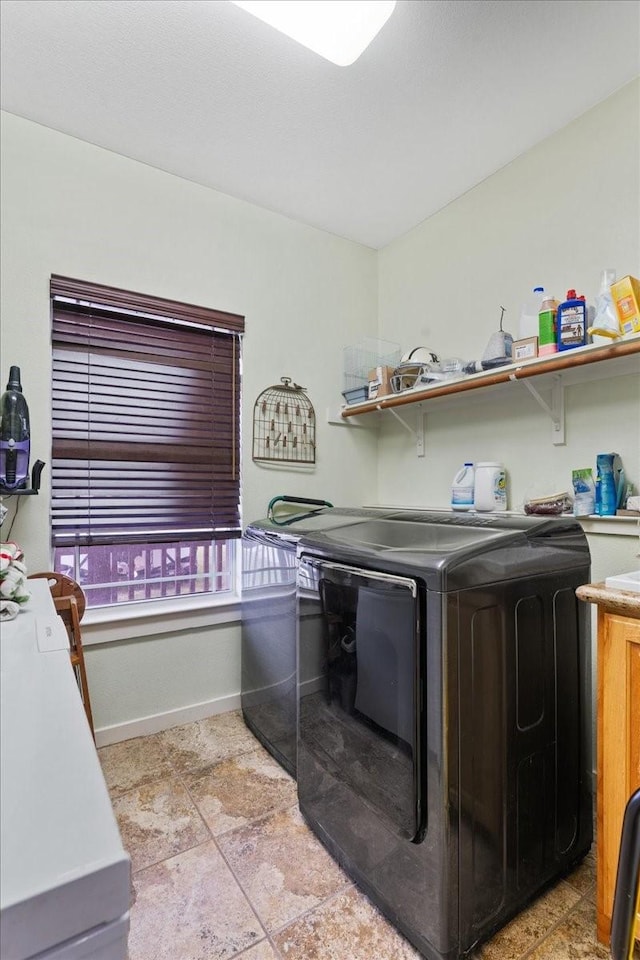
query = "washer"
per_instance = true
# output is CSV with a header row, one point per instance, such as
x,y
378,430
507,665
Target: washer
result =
x,y
444,742
268,674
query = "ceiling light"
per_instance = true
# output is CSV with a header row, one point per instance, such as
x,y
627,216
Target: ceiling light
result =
x,y
339,30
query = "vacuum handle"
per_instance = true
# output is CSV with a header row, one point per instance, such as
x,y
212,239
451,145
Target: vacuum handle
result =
x,y
306,500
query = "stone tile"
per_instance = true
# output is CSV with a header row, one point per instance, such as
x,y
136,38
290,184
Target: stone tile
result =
x,y
583,878
531,925
347,926
194,747
158,820
191,908
574,938
261,951
131,763
242,789
281,867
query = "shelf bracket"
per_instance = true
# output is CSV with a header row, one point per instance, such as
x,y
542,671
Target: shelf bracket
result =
x,y
555,411
334,417
418,433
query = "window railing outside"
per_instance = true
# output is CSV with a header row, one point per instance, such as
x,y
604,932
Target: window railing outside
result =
x,y
120,573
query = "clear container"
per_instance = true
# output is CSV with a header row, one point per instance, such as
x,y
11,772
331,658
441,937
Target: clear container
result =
x,y
529,314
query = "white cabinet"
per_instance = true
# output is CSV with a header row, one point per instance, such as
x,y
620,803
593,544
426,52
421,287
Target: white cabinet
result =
x,y
65,883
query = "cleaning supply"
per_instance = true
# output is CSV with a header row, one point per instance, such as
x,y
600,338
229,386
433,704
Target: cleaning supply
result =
x,y
607,467
605,323
490,492
462,488
547,342
571,323
626,299
584,492
530,312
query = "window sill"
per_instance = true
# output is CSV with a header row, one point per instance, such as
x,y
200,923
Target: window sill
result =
x,y
152,618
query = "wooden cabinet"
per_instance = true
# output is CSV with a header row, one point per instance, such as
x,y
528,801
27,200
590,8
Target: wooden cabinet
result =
x,y
618,731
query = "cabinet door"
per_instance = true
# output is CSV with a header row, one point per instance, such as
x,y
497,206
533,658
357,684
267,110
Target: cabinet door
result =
x,y
618,746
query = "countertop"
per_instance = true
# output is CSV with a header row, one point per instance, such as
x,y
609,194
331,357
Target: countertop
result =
x,y
624,602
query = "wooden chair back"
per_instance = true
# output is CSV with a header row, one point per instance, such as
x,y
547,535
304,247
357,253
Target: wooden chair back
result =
x,y
70,603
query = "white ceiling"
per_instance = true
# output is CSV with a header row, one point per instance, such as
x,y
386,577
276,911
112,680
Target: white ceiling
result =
x,y
447,93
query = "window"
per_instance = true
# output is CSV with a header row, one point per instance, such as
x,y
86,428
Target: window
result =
x,y
146,443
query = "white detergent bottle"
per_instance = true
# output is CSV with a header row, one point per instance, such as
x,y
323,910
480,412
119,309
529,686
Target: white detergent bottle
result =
x,y
462,488
491,487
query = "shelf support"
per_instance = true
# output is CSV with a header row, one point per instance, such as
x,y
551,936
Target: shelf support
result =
x,y
418,433
555,411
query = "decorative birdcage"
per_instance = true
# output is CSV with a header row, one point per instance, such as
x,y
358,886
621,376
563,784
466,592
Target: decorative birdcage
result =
x,y
284,424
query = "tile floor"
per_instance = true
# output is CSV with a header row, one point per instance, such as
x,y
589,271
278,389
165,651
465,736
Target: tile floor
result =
x,y
224,866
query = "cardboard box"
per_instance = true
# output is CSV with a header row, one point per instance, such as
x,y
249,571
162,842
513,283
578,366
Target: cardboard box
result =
x,y
526,349
380,382
625,294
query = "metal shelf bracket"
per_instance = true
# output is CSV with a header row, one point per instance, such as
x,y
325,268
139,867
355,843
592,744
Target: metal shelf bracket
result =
x,y
418,433
555,411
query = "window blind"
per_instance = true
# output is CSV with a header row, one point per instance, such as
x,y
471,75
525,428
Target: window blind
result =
x,y
145,408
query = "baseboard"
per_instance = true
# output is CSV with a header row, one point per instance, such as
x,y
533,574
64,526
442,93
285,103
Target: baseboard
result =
x,y
162,721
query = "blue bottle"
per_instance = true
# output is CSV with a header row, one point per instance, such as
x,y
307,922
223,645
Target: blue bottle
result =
x,y
608,498
571,322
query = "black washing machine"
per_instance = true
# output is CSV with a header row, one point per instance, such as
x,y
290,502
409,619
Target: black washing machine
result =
x,y
268,671
444,740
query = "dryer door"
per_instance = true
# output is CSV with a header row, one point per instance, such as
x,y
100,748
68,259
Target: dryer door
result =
x,y
358,692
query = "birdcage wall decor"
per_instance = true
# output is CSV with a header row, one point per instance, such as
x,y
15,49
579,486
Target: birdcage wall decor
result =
x,y
284,424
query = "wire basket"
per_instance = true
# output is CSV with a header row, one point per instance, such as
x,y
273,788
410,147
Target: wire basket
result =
x,y
364,356
284,424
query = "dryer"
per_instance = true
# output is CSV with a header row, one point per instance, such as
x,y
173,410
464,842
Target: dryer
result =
x,y
444,744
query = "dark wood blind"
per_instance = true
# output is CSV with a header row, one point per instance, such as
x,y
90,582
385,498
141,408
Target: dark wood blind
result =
x,y
145,405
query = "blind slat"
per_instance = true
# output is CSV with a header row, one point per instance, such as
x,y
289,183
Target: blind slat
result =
x,y
156,306
145,420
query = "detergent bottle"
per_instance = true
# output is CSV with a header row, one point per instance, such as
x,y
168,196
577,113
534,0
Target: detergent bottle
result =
x,y
571,322
491,487
462,488
547,322
529,313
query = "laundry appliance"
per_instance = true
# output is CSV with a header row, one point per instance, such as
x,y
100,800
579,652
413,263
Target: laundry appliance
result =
x,y
444,744
268,673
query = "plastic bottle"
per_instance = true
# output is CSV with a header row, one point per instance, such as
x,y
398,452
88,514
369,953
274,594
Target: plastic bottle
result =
x,y
529,313
490,491
547,341
571,322
605,323
608,499
462,488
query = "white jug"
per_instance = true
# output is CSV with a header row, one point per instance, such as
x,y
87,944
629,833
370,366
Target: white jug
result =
x,y
490,487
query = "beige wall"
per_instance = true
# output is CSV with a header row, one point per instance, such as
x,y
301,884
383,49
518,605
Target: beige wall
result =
x,y
77,210
556,216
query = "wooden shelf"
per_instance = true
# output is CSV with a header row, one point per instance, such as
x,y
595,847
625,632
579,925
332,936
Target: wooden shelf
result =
x,y
571,364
